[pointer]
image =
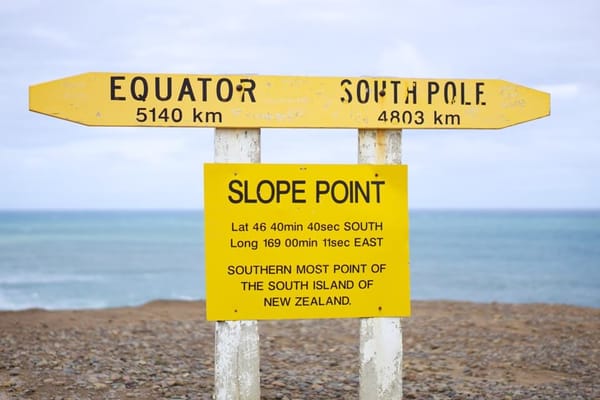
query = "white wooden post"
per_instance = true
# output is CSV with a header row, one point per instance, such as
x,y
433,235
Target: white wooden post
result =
x,y
380,338
237,358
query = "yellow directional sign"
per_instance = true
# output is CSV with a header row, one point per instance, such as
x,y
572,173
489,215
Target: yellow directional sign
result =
x,y
306,241
257,101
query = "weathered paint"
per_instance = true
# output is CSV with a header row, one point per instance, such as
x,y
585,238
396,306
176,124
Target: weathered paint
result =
x,y
262,101
237,145
237,358
380,359
380,338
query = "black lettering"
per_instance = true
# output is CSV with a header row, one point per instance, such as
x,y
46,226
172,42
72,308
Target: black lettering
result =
x,y
343,84
463,101
296,190
362,91
186,90
157,88
214,116
432,88
322,188
139,95
449,95
197,115
341,191
411,92
377,189
378,92
248,89
479,93
276,301
259,194
114,87
233,188
452,119
345,191
204,82
395,85
229,91
420,117
437,118
365,192
283,187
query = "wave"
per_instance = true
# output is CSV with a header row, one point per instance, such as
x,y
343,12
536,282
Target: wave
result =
x,y
34,302
44,278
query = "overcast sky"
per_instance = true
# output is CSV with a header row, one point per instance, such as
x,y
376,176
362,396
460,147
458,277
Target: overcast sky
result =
x,y
548,45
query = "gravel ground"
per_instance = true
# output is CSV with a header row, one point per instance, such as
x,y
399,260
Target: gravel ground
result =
x,y
165,350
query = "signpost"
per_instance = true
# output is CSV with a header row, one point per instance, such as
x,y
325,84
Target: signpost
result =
x,y
306,241
380,338
237,359
257,101
260,249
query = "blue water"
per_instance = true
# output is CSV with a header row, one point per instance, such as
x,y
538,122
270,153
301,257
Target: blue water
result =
x,y
73,260
58,260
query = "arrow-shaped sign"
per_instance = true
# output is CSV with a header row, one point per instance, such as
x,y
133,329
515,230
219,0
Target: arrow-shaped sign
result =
x,y
257,101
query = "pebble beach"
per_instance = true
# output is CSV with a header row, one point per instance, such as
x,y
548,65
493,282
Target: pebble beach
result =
x,y
165,350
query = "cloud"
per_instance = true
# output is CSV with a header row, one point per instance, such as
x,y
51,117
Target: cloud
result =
x,y
404,59
551,46
52,37
15,7
562,90
152,151
155,172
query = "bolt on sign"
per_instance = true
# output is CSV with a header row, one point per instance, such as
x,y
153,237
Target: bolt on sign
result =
x,y
261,101
306,241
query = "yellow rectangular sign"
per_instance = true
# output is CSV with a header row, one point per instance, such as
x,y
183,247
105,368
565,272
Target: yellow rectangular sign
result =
x,y
306,241
260,101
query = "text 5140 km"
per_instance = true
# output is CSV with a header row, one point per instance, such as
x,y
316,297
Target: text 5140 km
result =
x,y
177,115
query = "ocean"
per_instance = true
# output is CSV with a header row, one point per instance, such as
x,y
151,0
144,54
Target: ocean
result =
x,y
99,259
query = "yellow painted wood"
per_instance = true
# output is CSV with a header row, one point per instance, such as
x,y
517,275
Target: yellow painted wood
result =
x,y
260,101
